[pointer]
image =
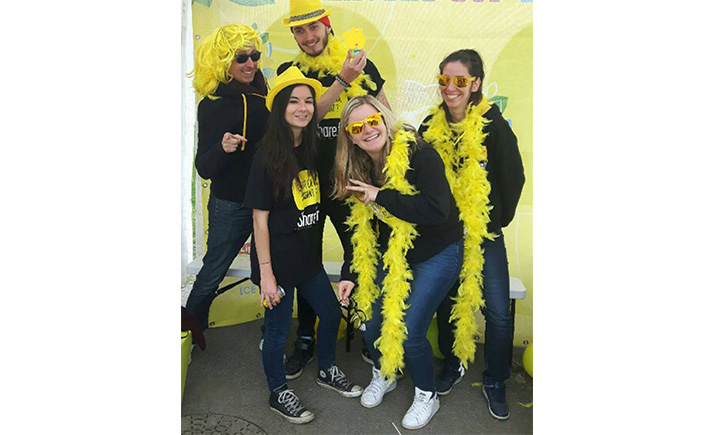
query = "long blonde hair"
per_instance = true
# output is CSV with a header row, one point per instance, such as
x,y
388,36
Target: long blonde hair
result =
x,y
351,161
215,54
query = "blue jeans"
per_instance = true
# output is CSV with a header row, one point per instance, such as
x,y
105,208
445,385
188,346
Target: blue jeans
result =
x,y
432,280
229,226
499,326
317,291
338,212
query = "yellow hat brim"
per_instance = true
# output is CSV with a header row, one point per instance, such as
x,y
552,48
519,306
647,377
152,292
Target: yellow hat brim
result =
x,y
289,23
314,84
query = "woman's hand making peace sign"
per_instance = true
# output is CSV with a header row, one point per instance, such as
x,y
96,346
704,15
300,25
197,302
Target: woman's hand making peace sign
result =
x,y
370,192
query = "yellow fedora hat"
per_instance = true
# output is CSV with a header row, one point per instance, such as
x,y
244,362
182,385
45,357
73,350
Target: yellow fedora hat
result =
x,y
305,11
292,76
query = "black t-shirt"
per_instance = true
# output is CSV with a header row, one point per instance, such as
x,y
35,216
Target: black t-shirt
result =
x,y
329,128
294,224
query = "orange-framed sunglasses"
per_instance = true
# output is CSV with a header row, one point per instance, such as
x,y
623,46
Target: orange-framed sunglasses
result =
x,y
459,81
358,127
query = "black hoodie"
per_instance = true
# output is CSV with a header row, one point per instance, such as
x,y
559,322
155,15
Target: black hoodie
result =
x,y
237,103
504,167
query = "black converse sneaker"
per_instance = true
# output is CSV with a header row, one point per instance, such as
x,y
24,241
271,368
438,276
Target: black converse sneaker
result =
x,y
303,354
334,379
448,378
285,403
496,398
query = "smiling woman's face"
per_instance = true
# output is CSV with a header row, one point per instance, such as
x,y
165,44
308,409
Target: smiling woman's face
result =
x,y
457,99
372,138
300,107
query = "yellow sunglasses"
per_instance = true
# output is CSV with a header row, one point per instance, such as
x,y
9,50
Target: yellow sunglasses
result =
x,y
459,81
358,127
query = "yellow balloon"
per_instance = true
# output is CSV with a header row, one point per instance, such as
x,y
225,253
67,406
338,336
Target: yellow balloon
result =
x,y
528,359
185,355
341,331
432,334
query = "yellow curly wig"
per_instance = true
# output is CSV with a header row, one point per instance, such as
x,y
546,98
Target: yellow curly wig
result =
x,y
214,56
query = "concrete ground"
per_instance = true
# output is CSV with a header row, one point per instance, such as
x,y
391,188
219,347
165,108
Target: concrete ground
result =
x,y
226,392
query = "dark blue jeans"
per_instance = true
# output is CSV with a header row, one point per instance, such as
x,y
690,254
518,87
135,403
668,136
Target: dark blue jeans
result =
x,y
229,225
317,291
432,280
499,326
338,212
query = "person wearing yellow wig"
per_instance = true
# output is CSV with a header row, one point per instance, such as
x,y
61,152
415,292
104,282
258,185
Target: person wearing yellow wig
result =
x,y
407,247
232,118
486,176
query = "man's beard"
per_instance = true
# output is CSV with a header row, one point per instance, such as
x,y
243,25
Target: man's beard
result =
x,y
324,41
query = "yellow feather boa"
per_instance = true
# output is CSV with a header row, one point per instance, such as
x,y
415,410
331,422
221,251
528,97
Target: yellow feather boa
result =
x,y
395,287
330,62
461,148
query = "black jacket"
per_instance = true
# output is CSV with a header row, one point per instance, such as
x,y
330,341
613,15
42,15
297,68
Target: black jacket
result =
x,y
433,209
504,167
228,172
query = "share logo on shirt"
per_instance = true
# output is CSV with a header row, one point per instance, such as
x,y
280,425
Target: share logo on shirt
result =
x,y
307,191
307,199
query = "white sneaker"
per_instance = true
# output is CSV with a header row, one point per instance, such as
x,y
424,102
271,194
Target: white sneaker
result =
x,y
375,391
422,410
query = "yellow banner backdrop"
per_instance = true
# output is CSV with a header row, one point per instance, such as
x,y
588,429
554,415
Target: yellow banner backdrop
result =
x,y
406,39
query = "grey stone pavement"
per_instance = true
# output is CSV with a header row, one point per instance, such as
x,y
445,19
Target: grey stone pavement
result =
x,y
226,393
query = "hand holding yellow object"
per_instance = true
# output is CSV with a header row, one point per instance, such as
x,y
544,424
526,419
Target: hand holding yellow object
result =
x,y
355,39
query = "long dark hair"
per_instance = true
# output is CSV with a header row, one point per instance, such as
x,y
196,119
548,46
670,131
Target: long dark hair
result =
x,y
278,145
473,63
